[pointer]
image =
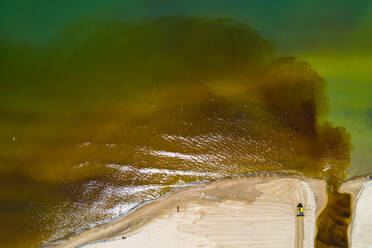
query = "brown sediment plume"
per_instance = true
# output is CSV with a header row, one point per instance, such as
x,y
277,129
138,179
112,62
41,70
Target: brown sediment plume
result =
x,y
213,73
209,92
334,221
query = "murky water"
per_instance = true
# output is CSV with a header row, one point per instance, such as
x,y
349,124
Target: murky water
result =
x,y
333,222
115,114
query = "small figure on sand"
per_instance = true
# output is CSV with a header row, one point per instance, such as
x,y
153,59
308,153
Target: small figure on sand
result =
x,y
300,210
178,209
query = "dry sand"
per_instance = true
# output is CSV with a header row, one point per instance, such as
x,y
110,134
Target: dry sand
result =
x,y
239,212
360,229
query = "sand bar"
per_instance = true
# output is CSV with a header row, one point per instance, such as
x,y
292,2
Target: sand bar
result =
x,y
239,212
360,229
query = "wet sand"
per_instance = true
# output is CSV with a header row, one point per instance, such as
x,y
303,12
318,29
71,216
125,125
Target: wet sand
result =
x,y
239,212
360,229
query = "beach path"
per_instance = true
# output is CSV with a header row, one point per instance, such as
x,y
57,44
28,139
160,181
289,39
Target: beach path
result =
x,y
299,238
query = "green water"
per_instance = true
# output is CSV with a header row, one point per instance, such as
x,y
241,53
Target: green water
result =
x,y
113,113
349,80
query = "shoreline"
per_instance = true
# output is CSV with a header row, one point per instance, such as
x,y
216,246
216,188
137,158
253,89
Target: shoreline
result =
x,y
143,216
217,197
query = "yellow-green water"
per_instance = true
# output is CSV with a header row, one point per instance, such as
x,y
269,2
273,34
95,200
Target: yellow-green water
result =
x,y
112,114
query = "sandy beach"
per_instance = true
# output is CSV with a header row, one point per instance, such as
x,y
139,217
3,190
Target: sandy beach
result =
x,y
239,212
360,229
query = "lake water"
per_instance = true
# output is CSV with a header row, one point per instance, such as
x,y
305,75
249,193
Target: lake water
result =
x,y
109,116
